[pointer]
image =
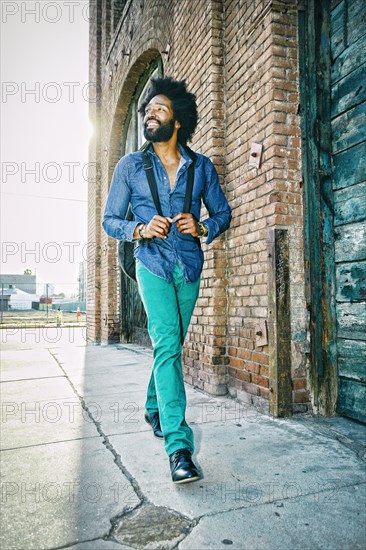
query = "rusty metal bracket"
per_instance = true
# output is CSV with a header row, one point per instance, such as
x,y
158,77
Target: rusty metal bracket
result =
x,y
255,154
167,51
261,334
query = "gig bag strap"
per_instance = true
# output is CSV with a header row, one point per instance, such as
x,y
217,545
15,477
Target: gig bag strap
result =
x,y
190,180
189,189
153,187
152,182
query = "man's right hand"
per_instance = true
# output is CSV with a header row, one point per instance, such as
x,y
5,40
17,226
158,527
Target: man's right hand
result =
x,y
157,227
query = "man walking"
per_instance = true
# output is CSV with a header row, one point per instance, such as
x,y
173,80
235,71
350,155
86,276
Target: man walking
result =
x,y
169,258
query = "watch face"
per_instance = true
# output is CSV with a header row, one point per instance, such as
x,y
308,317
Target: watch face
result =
x,y
203,229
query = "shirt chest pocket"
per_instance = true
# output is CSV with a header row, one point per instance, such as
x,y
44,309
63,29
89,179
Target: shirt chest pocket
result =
x,y
140,192
197,191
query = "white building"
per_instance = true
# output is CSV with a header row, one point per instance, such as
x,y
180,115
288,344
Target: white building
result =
x,y
20,300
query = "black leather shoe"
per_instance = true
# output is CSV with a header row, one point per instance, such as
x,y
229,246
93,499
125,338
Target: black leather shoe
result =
x,y
182,468
153,420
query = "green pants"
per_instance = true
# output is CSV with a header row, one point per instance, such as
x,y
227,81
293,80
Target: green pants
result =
x,y
169,307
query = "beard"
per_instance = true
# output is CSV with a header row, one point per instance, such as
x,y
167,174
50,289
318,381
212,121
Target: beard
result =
x,y
162,133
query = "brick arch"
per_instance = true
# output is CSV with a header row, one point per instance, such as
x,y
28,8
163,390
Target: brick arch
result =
x,y
119,326
124,99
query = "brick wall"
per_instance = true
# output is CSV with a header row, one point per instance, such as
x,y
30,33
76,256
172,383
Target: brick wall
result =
x,y
240,58
198,56
94,204
261,73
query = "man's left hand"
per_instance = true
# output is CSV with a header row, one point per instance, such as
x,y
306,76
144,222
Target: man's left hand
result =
x,y
186,224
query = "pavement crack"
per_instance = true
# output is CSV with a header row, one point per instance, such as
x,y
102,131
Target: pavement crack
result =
x,y
188,531
71,544
120,465
30,379
105,439
48,443
281,500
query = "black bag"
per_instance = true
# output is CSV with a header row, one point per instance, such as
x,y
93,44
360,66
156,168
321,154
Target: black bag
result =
x,y
126,258
125,253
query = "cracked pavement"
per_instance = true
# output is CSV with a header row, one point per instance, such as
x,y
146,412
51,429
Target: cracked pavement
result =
x,y
82,470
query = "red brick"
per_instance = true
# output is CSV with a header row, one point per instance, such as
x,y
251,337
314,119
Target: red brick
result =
x,y
301,396
299,383
260,380
235,362
261,358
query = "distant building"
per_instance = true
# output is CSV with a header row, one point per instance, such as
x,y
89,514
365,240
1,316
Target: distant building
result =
x,y
45,302
27,283
19,300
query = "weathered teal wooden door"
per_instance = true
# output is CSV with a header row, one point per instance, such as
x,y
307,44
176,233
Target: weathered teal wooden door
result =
x,y
348,148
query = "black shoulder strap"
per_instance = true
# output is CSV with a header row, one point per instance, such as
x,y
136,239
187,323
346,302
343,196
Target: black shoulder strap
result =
x,y
152,183
190,180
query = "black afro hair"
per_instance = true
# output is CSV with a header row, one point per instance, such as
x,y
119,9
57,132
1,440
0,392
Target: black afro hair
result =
x,y
183,103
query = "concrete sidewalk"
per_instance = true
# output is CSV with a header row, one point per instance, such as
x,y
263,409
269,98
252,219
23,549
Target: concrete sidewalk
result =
x,y
82,470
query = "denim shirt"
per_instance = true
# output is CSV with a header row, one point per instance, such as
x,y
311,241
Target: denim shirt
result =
x,y
129,185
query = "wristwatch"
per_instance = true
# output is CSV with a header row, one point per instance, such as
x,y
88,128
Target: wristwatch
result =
x,y
202,229
141,229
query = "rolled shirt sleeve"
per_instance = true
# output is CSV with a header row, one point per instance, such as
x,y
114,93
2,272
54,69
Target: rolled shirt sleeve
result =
x,y
114,222
216,204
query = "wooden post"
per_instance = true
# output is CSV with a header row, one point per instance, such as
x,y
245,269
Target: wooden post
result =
x,y
280,401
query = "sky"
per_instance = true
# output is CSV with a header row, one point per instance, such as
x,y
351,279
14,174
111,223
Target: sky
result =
x,y
45,131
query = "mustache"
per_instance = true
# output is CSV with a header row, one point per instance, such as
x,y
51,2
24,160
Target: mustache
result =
x,y
150,119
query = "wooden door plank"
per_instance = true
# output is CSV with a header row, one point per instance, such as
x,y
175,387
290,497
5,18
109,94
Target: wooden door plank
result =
x,y
350,204
351,320
349,167
351,282
336,17
355,9
348,129
348,111
348,28
335,3
352,359
349,60
349,91
350,242
352,399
